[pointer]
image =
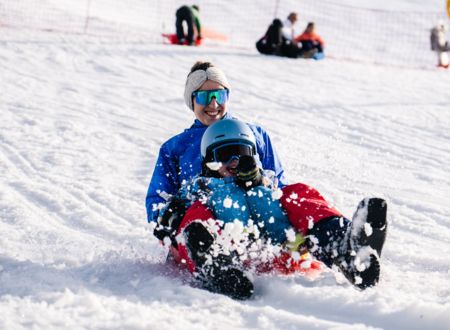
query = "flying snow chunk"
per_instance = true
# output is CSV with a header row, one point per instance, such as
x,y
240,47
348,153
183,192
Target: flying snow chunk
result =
x,y
167,241
293,196
306,264
214,166
276,194
290,234
368,229
295,256
227,202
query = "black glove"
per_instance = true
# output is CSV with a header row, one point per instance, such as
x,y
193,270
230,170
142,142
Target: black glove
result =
x,y
170,220
248,173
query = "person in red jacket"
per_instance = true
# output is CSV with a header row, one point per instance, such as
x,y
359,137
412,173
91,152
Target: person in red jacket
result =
x,y
311,43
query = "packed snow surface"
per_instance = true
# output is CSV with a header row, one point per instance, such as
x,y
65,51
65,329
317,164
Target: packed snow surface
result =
x,y
81,124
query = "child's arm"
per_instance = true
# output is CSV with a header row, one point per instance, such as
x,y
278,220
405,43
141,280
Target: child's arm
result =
x,y
171,215
248,173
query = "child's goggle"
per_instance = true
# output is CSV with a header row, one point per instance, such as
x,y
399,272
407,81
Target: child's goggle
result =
x,y
229,152
205,97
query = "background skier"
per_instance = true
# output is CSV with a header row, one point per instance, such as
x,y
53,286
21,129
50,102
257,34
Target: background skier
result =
x,y
271,42
439,44
311,43
190,16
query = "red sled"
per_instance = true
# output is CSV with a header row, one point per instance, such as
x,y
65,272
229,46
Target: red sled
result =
x,y
173,40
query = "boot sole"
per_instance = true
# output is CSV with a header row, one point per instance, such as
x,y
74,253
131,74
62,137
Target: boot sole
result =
x,y
370,276
376,217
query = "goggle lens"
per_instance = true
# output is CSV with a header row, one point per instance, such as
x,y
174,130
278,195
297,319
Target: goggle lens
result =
x,y
205,97
229,152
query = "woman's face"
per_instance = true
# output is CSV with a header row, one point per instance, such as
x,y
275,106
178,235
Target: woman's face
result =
x,y
209,114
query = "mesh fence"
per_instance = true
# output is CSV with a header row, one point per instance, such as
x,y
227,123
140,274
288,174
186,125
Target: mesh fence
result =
x,y
367,35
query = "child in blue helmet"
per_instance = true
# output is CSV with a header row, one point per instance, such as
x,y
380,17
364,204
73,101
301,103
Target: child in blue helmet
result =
x,y
221,186
232,189
245,214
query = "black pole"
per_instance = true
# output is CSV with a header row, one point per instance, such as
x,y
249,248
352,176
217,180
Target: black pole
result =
x,y
88,13
275,14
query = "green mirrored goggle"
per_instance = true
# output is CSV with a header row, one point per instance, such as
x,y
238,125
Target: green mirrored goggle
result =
x,y
205,97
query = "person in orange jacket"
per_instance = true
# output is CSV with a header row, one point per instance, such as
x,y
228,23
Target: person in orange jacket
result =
x,y
311,43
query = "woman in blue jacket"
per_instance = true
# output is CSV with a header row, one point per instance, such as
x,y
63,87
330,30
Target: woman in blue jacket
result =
x,y
206,93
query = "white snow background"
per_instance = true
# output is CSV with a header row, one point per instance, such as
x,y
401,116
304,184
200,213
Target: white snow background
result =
x,y
80,129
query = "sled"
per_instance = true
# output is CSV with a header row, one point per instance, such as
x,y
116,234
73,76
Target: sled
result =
x,y
318,56
285,264
172,39
313,54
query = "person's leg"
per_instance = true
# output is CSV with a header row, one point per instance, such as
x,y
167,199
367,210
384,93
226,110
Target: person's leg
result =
x,y
443,59
326,239
305,206
217,274
182,15
309,49
180,30
289,50
197,212
354,246
319,48
190,28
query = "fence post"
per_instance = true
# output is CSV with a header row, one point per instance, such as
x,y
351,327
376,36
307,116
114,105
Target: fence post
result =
x,y
88,13
275,14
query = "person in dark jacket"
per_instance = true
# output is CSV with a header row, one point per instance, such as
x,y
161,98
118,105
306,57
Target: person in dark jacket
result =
x,y
271,43
206,93
274,43
189,15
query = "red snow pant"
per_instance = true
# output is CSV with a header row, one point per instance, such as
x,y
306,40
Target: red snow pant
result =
x,y
304,205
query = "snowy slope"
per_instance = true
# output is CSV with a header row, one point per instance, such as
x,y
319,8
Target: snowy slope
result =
x,y
81,125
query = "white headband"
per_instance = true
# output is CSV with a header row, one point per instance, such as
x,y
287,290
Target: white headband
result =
x,y
197,78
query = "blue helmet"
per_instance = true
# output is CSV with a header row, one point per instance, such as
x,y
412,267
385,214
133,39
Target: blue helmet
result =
x,y
225,138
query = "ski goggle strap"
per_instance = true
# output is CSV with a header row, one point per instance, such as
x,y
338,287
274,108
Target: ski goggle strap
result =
x,y
228,152
205,97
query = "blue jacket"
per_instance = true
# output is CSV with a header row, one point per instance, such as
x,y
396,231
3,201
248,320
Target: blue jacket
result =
x,y
180,160
229,202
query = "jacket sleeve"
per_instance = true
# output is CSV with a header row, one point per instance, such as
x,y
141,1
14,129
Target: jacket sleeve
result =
x,y
198,25
268,156
164,182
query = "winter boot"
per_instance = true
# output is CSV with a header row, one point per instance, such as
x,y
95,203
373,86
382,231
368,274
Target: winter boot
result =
x,y
369,224
224,277
219,274
354,246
